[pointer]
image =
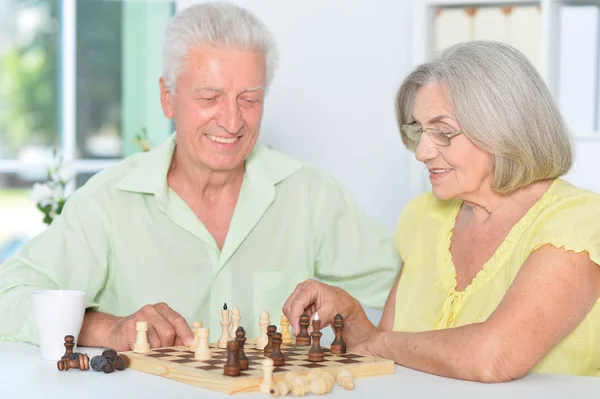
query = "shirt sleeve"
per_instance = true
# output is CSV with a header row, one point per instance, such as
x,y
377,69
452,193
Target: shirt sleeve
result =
x,y
355,253
72,253
572,223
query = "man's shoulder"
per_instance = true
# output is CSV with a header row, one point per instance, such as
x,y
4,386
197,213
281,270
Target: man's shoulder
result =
x,y
288,169
109,177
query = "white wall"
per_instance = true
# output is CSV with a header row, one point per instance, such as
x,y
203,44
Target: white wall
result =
x,y
331,103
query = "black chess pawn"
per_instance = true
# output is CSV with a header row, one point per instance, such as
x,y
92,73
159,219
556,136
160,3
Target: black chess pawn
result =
x,y
303,339
269,346
316,353
276,355
338,346
69,344
240,338
232,366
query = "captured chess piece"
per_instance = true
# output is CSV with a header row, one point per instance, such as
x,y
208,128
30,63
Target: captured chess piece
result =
x,y
232,366
225,324
141,343
338,346
269,346
345,378
240,337
69,344
81,362
303,339
266,386
286,336
316,354
276,354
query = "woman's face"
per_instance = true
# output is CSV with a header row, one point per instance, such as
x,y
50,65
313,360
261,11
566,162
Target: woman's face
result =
x,y
461,170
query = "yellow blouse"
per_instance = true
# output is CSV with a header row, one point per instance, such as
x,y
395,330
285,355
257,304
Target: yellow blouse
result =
x,y
565,216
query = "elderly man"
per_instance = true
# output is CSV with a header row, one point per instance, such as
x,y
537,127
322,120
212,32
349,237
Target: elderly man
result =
x,y
206,218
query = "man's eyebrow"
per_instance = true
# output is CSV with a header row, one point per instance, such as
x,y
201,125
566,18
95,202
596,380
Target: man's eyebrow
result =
x,y
250,89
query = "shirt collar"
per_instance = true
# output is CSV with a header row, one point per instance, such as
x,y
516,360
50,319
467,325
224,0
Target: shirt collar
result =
x,y
265,168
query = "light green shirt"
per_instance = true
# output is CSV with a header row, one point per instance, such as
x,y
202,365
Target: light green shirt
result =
x,y
127,240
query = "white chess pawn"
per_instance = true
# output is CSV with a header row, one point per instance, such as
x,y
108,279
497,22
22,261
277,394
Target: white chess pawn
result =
x,y
286,336
267,383
203,350
196,326
263,339
225,323
235,320
141,343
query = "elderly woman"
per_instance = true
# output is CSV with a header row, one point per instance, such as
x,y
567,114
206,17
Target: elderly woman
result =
x,y
501,260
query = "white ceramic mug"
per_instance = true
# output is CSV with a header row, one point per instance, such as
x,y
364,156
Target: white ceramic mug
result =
x,y
56,314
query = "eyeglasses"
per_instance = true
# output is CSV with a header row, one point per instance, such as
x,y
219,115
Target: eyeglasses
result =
x,y
414,132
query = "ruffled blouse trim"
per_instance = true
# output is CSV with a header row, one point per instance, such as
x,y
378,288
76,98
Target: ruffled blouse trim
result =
x,y
456,300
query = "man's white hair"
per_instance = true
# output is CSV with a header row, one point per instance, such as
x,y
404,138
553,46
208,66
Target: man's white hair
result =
x,y
215,24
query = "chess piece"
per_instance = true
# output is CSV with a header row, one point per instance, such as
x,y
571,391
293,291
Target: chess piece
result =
x,y
98,362
225,323
232,366
141,343
235,320
267,383
121,362
276,354
338,346
195,327
286,336
110,354
109,367
303,339
316,354
280,389
69,344
329,379
262,339
345,378
203,350
240,337
81,362
269,346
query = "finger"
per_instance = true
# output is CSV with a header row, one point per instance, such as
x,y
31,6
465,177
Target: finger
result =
x,y
300,301
153,337
181,327
163,329
178,342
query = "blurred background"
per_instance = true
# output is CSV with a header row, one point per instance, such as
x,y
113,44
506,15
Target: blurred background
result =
x,y
80,77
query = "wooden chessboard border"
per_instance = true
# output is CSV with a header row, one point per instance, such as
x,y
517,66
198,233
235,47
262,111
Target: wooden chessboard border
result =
x,y
213,378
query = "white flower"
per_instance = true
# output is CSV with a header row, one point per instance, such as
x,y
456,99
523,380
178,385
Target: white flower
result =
x,y
63,174
41,193
57,191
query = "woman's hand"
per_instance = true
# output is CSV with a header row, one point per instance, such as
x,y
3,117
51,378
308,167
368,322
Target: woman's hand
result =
x,y
312,297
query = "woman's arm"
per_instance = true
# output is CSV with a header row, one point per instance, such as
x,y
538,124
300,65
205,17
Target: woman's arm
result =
x,y
552,293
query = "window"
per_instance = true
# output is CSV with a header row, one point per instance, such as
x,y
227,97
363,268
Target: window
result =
x,y
79,77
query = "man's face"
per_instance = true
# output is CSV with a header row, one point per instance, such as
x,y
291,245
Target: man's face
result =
x,y
217,106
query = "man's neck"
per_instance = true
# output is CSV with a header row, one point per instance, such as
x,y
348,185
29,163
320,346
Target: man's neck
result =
x,y
202,184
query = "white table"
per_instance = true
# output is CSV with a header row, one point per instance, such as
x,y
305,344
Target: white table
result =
x,y
24,375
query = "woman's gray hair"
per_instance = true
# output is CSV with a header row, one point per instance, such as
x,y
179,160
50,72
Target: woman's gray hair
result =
x,y
215,24
502,106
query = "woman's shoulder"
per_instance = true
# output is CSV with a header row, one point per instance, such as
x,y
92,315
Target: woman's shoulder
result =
x,y
569,218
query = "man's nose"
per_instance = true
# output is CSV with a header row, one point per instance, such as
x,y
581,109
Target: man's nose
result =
x,y
230,118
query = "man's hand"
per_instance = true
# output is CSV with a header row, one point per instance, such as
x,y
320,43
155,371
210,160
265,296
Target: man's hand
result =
x,y
165,328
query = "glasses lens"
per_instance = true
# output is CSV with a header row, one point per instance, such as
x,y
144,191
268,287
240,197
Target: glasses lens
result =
x,y
413,132
439,138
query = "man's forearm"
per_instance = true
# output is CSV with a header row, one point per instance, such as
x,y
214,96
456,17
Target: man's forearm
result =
x,y
96,328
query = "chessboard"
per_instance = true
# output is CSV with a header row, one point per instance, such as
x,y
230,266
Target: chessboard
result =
x,y
178,363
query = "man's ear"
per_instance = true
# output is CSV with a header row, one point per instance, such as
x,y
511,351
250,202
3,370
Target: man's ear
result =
x,y
166,99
